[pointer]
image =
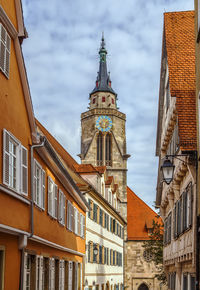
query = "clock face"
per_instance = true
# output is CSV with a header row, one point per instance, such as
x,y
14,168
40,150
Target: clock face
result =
x,y
104,123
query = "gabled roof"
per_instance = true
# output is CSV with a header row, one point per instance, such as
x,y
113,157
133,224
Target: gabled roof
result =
x,y
101,169
179,51
85,168
180,47
139,217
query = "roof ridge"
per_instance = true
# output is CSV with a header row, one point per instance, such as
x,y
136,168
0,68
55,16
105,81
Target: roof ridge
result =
x,y
141,200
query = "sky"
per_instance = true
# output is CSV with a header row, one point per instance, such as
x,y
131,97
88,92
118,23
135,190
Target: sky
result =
x,y
61,58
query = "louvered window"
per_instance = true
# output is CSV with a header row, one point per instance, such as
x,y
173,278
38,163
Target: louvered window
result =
x,y
52,198
40,273
61,208
52,274
108,150
15,163
70,275
5,43
100,149
61,275
39,185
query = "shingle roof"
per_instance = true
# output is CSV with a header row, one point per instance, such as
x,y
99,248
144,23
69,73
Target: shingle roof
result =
x,y
85,168
180,49
139,217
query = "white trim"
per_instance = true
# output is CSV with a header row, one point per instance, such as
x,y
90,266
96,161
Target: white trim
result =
x,y
12,231
7,23
15,195
56,246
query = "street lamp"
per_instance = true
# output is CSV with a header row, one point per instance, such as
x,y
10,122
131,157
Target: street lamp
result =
x,y
167,170
168,167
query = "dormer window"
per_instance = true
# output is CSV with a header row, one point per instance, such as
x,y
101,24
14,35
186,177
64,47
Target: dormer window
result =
x,y
103,99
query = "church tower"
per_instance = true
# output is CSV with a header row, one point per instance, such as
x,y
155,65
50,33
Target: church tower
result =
x,y
103,138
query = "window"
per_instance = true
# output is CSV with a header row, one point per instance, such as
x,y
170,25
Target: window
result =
x,y
183,213
103,99
2,255
113,101
61,275
93,101
39,273
70,216
4,51
52,273
15,164
185,281
108,150
39,185
70,272
82,224
27,271
100,149
61,208
76,221
52,198
167,229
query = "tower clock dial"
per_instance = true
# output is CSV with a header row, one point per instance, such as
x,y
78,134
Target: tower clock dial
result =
x,y
104,123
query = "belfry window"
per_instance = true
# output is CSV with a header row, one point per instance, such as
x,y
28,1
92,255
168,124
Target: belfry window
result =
x,y
100,149
104,145
108,150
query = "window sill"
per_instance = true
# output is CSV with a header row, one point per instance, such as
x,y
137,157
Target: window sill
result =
x,y
14,194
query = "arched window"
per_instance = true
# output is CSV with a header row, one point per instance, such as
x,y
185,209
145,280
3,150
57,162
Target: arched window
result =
x,y
108,150
100,149
143,286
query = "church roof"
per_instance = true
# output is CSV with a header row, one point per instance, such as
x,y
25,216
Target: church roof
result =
x,y
139,217
103,82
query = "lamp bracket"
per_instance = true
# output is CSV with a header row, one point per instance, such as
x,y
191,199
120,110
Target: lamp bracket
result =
x,y
191,154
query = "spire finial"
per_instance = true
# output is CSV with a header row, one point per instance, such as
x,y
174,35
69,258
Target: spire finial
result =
x,y
102,41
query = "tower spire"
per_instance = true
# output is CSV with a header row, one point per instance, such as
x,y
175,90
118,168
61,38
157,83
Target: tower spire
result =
x,y
103,82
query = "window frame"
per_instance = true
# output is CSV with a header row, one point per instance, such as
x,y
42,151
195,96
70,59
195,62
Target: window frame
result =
x,y
21,166
5,46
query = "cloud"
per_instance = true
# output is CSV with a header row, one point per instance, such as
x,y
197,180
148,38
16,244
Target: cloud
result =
x,y
61,56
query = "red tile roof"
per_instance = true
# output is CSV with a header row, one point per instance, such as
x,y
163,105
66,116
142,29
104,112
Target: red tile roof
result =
x,y
85,168
101,169
180,47
109,180
139,217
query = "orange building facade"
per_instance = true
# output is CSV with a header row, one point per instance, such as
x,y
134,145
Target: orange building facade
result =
x,y
42,211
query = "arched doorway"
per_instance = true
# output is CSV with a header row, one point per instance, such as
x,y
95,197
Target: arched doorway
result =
x,y
143,286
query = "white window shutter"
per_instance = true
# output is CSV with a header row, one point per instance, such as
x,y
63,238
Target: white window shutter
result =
x,y
24,170
83,227
43,189
25,270
6,156
70,275
2,47
68,214
7,55
64,208
34,180
50,196
60,206
72,218
55,201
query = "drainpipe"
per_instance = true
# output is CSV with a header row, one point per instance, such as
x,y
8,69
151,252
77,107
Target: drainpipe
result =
x,y
32,180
